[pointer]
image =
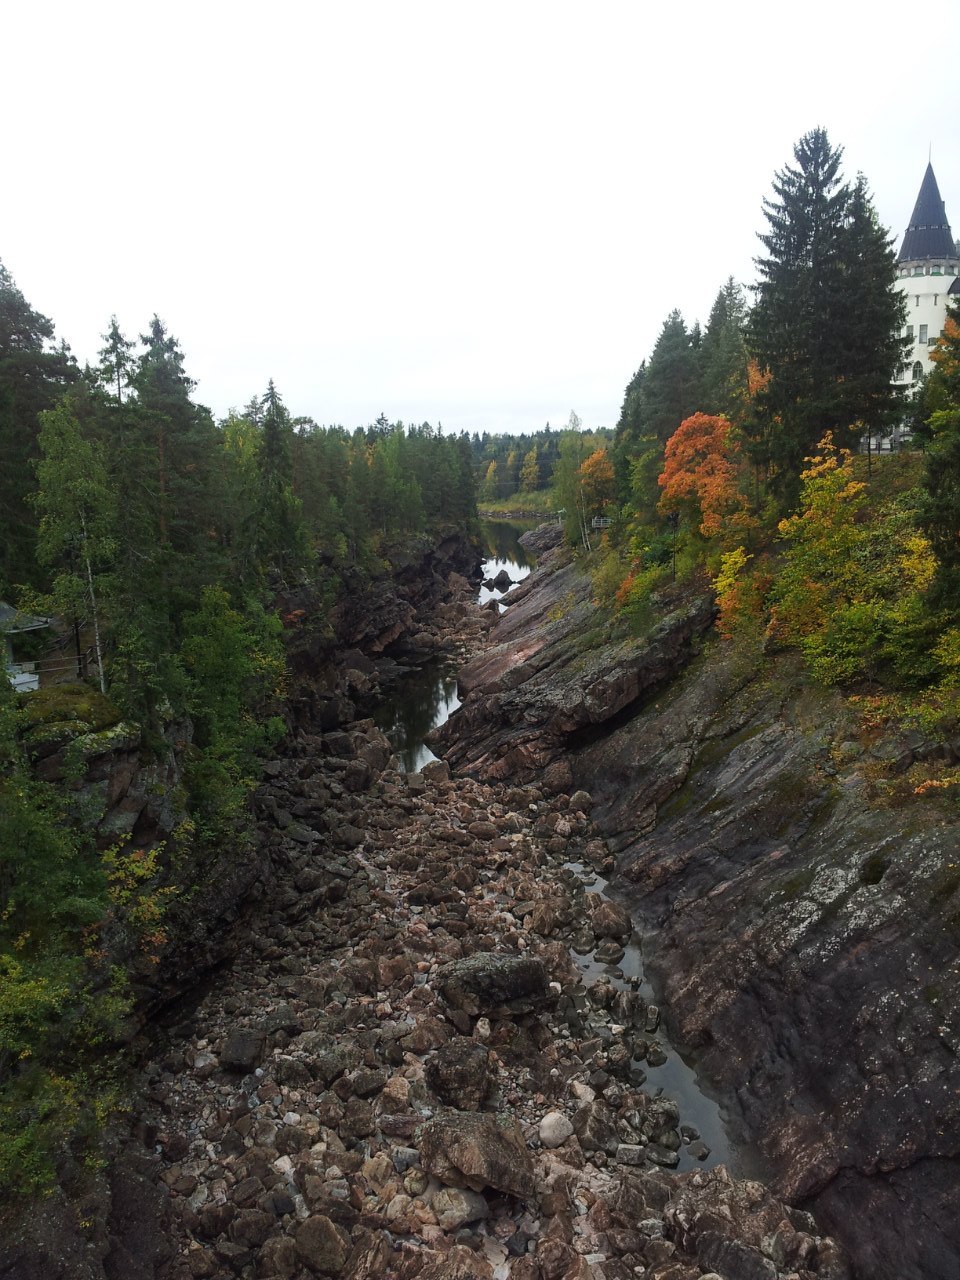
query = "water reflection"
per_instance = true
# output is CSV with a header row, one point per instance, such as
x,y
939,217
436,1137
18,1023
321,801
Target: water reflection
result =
x,y
427,696
501,541
424,699
502,550
677,1077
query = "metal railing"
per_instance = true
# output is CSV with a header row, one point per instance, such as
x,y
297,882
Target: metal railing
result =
x,y
53,669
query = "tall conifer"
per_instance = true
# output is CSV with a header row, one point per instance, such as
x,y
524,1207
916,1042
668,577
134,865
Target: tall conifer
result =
x,y
827,313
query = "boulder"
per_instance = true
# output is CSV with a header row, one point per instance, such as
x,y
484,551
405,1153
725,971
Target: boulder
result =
x,y
455,1207
322,1246
596,1127
460,1263
610,920
435,771
476,1150
243,1049
555,1129
459,1073
492,983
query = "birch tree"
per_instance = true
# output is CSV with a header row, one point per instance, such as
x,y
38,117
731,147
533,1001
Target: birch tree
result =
x,y
78,511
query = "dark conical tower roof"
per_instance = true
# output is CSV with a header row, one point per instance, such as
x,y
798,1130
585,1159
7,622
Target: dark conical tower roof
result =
x,y
928,235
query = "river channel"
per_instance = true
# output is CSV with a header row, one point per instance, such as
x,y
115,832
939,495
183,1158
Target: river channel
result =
x,y
426,698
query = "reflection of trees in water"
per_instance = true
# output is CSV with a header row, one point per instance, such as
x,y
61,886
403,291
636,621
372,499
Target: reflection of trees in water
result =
x,y
500,542
424,700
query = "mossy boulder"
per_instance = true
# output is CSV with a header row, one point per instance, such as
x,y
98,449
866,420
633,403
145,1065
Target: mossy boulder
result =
x,y
61,703
55,716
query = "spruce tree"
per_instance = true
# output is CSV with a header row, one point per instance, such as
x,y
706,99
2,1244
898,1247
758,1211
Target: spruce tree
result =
x,y
723,353
940,507
630,423
116,363
34,373
871,315
282,535
826,317
671,384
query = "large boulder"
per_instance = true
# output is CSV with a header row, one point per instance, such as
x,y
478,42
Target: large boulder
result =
x,y
323,1247
596,1127
492,983
610,920
459,1074
476,1150
243,1049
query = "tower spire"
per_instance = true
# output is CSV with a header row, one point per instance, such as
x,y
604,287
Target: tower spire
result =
x,y
928,235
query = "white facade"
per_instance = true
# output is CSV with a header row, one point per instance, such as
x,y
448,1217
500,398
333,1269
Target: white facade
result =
x,y
928,265
925,288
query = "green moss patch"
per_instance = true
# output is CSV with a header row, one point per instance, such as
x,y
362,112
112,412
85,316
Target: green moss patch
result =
x,y
75,704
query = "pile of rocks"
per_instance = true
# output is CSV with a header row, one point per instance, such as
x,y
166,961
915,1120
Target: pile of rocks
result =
x,y
403,1076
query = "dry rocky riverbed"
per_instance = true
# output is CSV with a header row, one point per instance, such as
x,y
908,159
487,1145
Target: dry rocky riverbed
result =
x,y
402,1075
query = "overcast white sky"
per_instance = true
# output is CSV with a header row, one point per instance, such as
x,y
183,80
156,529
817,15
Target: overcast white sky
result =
x,y
474,213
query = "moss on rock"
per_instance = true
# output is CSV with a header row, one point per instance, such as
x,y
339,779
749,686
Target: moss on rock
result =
x,y
66,704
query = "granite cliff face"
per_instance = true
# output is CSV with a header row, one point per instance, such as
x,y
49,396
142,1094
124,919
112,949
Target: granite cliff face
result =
x,y
547,681
801,903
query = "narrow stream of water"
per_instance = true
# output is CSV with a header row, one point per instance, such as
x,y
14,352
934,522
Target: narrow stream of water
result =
x,y
425,699
427,696
676,1077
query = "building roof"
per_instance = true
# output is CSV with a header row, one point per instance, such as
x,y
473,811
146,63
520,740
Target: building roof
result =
x,y
928,235
12,620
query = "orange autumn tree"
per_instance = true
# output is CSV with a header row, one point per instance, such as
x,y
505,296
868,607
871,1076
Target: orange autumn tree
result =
x,y
700,475
597,482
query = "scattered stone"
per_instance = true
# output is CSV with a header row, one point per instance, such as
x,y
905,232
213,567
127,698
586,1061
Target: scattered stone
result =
x,y
455,1207
555,1129
332,1157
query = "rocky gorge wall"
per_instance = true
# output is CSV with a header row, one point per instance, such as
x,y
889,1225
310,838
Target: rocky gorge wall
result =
x,y
401,1072
133,794
801,904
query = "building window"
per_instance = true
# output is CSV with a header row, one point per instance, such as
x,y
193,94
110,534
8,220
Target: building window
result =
x,y
909,332
923,333
917,371
935,269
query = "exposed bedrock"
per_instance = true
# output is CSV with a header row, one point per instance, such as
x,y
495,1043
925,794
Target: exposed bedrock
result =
x,y
802,904
544,685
